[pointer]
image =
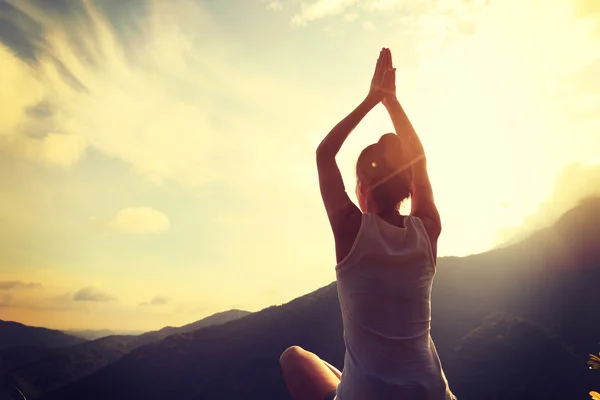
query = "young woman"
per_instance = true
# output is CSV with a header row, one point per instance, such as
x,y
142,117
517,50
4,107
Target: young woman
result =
x,y
385,265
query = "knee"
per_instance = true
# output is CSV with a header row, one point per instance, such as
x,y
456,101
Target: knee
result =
x,y
291,355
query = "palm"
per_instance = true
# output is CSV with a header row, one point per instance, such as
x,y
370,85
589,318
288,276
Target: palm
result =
x,y
383,84
389,84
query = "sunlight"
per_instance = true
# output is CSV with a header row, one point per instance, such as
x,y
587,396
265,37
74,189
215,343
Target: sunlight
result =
x,y
214,123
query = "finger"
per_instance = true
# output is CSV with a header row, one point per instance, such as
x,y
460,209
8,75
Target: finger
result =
x,y
379,65
388,58
385,60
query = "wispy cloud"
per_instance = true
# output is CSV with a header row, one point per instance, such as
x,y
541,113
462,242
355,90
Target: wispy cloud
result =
x,y
9,285
156,301
6,300
320,9
152,98
314,10
139,221
351,16
92,294
274,5
369,26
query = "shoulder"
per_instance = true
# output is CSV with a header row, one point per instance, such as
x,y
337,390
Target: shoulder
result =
x,y
432,227
431,230
346,227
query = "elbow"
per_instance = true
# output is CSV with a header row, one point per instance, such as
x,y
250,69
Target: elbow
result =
x,y
323,152
436,223
438,226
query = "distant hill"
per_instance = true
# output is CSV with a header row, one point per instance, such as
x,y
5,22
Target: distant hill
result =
x,y
545,284
20,344
93,334
219,318
42,372
13,334
215,319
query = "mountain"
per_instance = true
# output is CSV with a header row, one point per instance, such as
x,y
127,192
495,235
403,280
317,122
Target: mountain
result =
x,y
544,285
20,344
93,334
50,370
215,319
13,334
511,356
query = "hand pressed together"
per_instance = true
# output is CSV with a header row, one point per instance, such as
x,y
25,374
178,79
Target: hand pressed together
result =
x,y
383,84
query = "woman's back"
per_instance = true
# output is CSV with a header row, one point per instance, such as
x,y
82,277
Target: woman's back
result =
x,y
384,289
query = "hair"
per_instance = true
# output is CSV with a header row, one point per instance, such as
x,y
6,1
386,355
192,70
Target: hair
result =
x,y
382,169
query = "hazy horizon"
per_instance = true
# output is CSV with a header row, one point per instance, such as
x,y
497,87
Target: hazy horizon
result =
x,y
157,158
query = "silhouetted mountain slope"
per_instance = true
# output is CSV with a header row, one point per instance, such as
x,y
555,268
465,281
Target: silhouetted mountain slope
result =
x,y
215,319
14,334
511,356
21,355
20,344
66,365
93,334
548,279
218,355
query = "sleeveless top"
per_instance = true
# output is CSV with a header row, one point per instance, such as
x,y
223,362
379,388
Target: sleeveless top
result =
x,y
384,290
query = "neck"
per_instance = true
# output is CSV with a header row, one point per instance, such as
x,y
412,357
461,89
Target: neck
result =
x,y
388,213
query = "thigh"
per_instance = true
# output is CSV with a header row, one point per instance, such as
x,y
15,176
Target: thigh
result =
x,y
333,369
306,376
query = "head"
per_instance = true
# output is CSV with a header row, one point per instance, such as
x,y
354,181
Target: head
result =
x,y
383,178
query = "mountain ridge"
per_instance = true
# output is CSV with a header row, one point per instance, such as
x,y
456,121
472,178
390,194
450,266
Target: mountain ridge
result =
x,y
15,334
53,369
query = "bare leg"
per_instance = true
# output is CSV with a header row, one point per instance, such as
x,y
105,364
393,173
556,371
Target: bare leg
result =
x,y
333,369
306,375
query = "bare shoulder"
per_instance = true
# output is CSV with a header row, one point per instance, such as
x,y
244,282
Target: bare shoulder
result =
x,y
433,229
346,226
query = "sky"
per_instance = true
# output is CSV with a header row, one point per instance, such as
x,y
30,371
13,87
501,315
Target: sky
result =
x,y
157,159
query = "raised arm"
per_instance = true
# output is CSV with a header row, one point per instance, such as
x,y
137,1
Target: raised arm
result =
x,y
336,200
422,202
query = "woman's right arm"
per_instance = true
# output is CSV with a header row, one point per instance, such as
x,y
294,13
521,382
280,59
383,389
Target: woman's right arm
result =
x,y
422,202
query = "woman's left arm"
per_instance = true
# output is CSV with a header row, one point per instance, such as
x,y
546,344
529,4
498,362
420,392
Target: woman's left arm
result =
x,y
336,200
333,192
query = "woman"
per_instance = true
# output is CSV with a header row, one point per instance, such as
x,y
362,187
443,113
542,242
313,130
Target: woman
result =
x,y
385,265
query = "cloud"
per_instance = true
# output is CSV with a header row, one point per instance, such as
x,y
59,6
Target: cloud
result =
x,y
140,89
92,294
23,132
6,300
320,9
576,182
8,285
369,26
139,221
63,298
351,16
156,301
274,5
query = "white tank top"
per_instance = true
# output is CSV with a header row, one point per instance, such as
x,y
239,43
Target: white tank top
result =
x,y
384,290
